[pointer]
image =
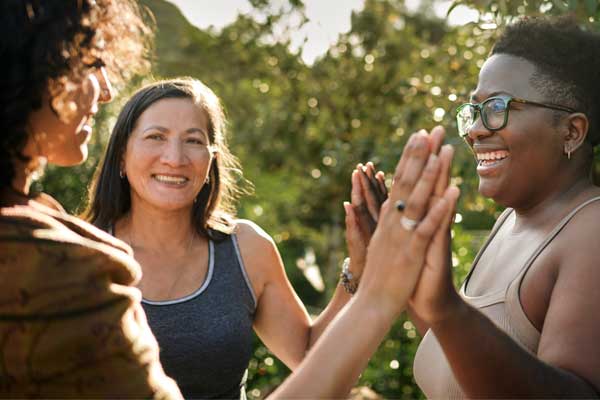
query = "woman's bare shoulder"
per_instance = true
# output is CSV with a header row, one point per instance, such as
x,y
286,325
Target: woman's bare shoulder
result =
x,y
251,234
258,249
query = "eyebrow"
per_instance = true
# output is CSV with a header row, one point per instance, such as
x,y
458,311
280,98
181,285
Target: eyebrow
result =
x,y
473,98
165,130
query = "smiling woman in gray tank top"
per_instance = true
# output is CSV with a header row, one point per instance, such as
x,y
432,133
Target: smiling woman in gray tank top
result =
x,y
165,187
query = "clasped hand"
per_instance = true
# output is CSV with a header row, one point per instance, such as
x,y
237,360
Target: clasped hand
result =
x,y
405,265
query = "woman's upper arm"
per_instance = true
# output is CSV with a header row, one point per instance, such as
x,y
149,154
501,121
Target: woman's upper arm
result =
x,y
571,328
281,320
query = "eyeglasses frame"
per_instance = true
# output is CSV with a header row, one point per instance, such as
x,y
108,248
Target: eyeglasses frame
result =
x,y
507,100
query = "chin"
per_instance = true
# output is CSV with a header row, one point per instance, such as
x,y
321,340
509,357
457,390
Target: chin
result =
x,y
71,158
494,193
488,191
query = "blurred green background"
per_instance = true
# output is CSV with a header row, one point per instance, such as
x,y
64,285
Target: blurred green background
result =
x,y
299,130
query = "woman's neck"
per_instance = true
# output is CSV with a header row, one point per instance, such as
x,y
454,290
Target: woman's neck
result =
x,y
17,193
22,180
554,205
157,231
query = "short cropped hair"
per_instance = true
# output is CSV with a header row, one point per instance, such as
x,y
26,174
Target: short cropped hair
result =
x,y
567,61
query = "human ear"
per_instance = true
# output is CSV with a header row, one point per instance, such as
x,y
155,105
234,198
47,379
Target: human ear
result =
x,y
576,130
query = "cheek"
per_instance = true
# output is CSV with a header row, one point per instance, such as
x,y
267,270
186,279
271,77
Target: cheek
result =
x,y
202,165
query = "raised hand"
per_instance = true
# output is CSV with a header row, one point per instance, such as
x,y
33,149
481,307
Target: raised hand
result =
x,y
407,225
434,294
395,258
367,196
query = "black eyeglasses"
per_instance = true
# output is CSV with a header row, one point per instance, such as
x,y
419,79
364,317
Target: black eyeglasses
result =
x,y
494,112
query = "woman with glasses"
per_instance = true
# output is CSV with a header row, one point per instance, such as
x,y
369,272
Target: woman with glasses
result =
x,y
525,322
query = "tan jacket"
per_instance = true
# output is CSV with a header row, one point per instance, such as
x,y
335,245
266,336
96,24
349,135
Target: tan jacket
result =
x,y
71,324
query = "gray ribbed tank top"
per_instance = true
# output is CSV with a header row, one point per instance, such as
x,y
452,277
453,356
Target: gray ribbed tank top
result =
x,y
205,338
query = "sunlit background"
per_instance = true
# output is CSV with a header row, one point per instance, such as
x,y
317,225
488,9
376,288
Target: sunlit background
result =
x,y
327,18
311,91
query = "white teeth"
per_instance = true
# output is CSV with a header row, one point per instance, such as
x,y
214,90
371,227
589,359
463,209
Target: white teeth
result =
x,y
170,179
492,155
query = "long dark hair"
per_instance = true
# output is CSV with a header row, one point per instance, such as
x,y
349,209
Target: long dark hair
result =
x,y
213,210
48,45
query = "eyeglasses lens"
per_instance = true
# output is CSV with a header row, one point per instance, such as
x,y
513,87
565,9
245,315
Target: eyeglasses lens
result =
x,y
465,118
494,111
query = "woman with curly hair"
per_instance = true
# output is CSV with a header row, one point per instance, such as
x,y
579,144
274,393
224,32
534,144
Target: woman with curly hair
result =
x,y
71,324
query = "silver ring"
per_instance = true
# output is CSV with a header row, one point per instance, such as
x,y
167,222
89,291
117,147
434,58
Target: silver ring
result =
x,y
408,224
400,205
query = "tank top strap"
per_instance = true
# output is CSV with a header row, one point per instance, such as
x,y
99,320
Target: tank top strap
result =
x,y
229,257
527,332
499,222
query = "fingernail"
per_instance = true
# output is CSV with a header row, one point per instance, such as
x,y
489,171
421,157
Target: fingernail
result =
x,y
346,205
420,141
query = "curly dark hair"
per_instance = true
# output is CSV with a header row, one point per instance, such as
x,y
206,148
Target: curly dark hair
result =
x,y
567,61
46,45
213,210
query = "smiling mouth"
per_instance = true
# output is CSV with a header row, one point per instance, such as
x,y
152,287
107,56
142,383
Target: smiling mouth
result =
x,y
172,180
491,157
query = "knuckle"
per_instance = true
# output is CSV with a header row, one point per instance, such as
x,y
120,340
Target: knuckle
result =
x,y
416,204
421,233
406,183
430,172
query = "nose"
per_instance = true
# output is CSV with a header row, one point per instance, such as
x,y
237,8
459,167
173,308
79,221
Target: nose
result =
x,y
91,93
173,154
477,131
106,90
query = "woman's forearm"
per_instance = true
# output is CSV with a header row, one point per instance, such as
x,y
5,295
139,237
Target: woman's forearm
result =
x,y
334,364
339,299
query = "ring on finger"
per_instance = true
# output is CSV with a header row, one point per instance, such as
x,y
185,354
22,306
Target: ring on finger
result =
x,y
408,224
400,205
